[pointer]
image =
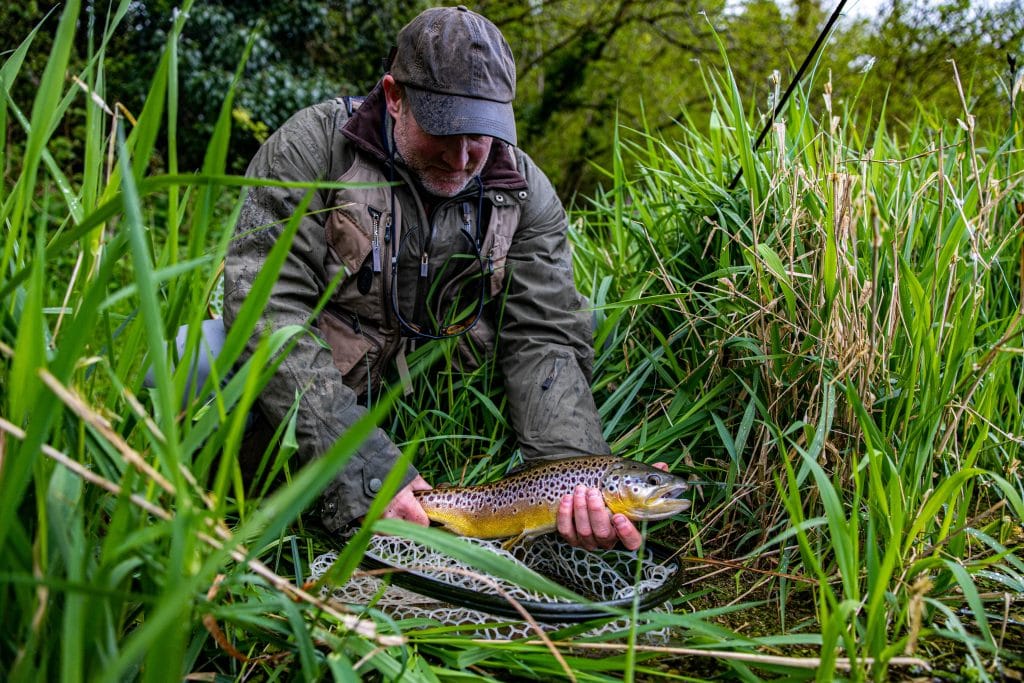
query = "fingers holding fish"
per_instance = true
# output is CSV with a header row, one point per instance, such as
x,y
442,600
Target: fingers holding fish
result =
x,y
627,532
564,520
573,518
604,534
585,506
583,520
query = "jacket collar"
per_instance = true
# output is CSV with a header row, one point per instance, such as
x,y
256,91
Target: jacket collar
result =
x,y
364,130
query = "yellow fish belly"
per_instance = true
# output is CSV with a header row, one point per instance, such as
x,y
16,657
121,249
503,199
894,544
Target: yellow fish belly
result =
x,y
479,513
524,503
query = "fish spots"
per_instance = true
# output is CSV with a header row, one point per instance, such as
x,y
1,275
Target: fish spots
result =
x,y
527,500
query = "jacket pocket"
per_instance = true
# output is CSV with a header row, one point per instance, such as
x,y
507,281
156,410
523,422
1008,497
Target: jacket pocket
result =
x,y
355,352
504,222
476,346
357,223
349,232
549,398
554,411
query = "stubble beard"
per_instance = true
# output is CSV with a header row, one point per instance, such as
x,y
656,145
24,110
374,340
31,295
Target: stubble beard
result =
x,y
439,184
430,178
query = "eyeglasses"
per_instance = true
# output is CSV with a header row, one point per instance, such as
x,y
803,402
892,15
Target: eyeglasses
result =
x,y
450,292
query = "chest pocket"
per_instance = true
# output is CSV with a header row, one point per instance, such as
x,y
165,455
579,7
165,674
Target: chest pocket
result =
x,y
358,216
355,232
497,242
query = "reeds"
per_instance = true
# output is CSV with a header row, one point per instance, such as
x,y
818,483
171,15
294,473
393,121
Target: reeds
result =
x,y
834,350
850,325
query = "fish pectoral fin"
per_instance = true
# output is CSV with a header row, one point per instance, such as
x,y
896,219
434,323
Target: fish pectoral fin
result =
x,y
525,538
509,543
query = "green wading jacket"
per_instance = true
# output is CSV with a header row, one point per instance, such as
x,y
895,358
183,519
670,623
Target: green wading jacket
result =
x,y
544,344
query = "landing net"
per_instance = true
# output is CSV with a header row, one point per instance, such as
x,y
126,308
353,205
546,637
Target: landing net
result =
x,y
435,586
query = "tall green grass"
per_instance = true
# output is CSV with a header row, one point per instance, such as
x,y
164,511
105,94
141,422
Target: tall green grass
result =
x,y
834,349
844,334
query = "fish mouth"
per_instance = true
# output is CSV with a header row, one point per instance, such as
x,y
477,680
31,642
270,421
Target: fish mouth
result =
x,y
666,503
671,495
675,493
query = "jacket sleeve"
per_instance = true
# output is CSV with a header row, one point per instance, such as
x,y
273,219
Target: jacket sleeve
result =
x,y
304,148
546,340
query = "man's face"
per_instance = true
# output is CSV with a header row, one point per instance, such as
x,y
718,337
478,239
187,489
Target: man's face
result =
x,y
444,165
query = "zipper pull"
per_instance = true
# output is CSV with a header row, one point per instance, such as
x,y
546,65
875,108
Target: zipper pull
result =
x,y
375,244
465,217
553,375
424,264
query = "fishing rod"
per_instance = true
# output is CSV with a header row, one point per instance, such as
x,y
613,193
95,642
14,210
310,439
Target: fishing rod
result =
x,y
793,83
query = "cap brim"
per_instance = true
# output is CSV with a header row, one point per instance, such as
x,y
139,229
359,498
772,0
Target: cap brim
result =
x,y
442,114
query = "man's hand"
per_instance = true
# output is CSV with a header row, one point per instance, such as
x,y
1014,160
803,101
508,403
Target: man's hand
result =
x,y
584,520
405,506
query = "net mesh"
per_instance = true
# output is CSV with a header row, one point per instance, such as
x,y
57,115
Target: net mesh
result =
x,y
602,576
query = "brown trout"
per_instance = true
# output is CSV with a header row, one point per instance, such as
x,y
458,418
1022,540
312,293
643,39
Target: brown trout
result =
x,y
525,503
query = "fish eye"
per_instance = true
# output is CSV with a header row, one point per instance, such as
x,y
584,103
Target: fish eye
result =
x,y
653,480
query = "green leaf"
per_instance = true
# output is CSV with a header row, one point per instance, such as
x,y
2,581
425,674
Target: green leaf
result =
x,y
777,269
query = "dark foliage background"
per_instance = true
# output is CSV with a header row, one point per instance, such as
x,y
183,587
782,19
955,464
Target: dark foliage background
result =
x,y
583,64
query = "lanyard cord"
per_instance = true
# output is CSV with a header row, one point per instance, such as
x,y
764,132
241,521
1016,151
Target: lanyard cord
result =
x,y
792,84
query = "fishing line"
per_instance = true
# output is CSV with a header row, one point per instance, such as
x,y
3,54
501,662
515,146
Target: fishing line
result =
x,y
793,83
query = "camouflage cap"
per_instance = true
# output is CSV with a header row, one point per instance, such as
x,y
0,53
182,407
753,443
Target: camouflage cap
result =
x,y
458,74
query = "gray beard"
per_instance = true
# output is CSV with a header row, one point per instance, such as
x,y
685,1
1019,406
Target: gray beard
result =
x,y
418,179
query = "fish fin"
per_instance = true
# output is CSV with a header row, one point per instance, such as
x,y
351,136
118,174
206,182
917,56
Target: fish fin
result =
x,y
523,466
509,543
534,461
526,539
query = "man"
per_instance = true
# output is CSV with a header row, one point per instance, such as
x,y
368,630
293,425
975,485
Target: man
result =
x,y
467,226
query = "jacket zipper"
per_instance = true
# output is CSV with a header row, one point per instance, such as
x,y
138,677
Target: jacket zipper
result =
x,y
392,348
556,367
375,242
419,306
465,219
390,256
